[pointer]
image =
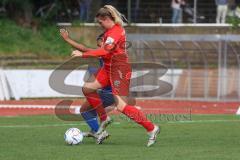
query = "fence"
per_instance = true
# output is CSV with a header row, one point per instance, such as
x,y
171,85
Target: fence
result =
x,y
204,67
210,64
137,11
151,11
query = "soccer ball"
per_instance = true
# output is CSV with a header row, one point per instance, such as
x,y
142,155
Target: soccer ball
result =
x,y
73,136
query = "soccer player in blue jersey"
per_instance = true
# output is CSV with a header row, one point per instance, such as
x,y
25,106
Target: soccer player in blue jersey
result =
x,y
88,113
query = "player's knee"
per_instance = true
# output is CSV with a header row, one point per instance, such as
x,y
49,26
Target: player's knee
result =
x,y
120,107
120,103
85,90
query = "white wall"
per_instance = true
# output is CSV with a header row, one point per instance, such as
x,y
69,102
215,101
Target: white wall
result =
x,y
35,83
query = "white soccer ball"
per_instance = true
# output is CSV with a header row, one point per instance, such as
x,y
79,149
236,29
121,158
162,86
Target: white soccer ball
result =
x,y
73,136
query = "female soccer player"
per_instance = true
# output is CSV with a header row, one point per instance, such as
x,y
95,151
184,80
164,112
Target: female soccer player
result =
x,y
89,114
115,72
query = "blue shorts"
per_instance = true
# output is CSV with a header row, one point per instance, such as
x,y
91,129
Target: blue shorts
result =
x,y
106,96
104,93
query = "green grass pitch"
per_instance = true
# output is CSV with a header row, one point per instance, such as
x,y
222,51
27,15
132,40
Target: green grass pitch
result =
x,y
209,137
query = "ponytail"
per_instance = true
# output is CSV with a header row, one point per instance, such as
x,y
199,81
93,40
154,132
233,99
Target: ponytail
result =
x,y
113,13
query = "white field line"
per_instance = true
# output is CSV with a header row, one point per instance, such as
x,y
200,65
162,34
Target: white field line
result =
x,y
10,106
47,125
204,121
115,123
41,126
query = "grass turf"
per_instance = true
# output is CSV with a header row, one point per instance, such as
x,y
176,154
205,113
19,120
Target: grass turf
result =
x,y
45,43
41,137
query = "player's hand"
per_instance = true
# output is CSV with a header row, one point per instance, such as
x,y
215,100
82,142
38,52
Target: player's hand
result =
x,y
77,53
64,33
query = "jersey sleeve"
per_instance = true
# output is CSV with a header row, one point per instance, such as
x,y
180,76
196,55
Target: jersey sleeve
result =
x,y
112,39
95,53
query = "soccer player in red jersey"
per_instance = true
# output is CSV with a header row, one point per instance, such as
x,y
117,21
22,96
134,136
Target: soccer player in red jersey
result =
x,y
115,72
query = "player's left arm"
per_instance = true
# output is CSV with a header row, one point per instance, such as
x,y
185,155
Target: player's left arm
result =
x,y
109,45
65,35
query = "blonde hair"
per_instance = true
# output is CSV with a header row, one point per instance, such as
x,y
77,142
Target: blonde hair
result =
x,y
111,12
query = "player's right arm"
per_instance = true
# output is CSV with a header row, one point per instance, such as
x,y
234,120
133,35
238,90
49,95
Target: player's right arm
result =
x,y
64,34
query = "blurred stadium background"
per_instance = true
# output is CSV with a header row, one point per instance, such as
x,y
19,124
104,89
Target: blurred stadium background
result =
x,y
200,58
196,87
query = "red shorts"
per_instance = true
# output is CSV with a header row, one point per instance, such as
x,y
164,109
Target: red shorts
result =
x,y
118,79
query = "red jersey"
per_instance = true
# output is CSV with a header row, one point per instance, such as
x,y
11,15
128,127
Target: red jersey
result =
x,y
113,48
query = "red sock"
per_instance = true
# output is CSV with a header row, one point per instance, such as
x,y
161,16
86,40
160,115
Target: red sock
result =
x,y
138,116
95,101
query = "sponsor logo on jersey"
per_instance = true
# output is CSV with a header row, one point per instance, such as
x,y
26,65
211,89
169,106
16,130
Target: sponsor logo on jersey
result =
x,y
109,40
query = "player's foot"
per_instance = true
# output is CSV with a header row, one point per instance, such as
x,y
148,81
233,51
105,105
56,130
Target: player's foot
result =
x,y
102,136
104,125
90,134
153,136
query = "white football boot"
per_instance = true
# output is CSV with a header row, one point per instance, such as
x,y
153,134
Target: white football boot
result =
x,y
104,125
102,136
153,136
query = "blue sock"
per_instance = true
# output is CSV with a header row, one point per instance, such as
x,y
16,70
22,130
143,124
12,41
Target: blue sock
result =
x,y
91,119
